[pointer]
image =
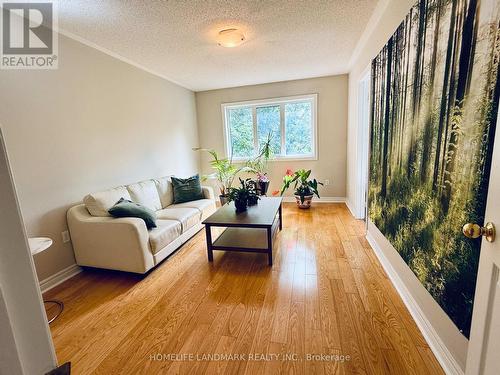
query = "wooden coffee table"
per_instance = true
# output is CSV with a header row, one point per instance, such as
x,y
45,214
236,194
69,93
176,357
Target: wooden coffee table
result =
x,y
249,231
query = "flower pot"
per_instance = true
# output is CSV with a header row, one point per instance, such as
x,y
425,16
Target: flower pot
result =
x,y
241,205
306,203
253,200
223,199
263,186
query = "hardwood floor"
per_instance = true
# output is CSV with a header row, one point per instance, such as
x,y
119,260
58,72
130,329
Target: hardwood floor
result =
x,y
326,295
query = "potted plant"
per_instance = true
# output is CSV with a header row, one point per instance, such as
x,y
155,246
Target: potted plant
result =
x,y
262,183
305,188
258,165
244,195
225,173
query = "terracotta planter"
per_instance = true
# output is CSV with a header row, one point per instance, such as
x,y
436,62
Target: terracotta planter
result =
x,y
306,203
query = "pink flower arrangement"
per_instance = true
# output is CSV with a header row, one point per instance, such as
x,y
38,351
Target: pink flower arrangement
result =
x,y
262,177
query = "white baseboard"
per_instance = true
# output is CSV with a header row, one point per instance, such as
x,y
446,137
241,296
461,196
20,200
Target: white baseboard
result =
x,y
320,200
349,205
60,277
443,355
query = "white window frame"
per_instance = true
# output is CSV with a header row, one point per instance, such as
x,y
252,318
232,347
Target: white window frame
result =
x,y
254,104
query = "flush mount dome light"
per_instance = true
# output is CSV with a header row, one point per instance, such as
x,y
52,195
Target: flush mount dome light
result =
x,y
230,38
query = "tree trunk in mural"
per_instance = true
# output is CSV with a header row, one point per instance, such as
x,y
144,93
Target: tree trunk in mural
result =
x,y
444,99
383,189
465,61
427,136
435,92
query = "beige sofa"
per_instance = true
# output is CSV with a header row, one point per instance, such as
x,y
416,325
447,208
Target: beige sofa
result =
x,y
125,244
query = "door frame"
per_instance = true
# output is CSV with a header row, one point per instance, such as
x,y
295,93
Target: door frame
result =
x,y
29,341
487,277
363,100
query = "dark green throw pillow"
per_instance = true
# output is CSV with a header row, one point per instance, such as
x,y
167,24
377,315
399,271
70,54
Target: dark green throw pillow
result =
x,y
126,208
187,189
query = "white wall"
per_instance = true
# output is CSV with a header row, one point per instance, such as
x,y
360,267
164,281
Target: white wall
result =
x,y
332,127
94,123
451,344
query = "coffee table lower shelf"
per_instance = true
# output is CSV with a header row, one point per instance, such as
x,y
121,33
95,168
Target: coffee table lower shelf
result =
x,y
250,240
242,239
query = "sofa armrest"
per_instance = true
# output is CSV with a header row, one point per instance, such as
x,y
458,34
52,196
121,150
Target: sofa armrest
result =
x,y
107,242
208,192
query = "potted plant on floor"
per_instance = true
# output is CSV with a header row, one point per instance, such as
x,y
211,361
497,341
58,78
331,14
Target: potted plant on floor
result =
x,y
259,165
244,196
225,173
305,188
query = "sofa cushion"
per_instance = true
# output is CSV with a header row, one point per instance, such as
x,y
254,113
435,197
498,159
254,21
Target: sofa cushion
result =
x,y
188,217
187,189
145,193
205,206
165,191
165,232
99,203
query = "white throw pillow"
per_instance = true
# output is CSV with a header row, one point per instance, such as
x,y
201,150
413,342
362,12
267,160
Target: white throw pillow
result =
x,y
165,190
99,203
145,193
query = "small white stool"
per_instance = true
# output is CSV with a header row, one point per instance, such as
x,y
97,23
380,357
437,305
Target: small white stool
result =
x,y
37,245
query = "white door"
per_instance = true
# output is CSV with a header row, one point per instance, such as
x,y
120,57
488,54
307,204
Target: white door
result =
x,y
483,357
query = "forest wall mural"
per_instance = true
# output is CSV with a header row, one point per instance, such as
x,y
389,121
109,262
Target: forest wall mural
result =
x,y
435,90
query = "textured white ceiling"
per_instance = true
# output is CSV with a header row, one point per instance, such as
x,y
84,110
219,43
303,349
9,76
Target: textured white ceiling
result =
x,y
176,39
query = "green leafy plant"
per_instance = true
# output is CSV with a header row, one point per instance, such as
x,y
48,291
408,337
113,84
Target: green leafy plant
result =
x,y
259,163
225,171
244,195
302,184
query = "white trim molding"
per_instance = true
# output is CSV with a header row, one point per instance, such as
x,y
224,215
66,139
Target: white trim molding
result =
x,y
438,347
59,277
354,212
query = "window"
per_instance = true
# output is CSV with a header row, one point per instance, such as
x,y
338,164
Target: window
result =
x,y
290,121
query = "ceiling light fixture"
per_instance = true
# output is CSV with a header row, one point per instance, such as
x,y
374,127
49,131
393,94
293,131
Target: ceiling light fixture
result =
x,y
230,38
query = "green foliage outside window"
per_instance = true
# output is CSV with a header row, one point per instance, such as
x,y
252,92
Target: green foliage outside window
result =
x,y
297,129
241,132
268,122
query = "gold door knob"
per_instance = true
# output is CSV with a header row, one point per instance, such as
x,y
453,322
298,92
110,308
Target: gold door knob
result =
x,y
472,230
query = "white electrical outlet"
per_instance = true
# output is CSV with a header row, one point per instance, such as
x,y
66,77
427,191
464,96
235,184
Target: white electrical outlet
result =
x,y
327,182
65,236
